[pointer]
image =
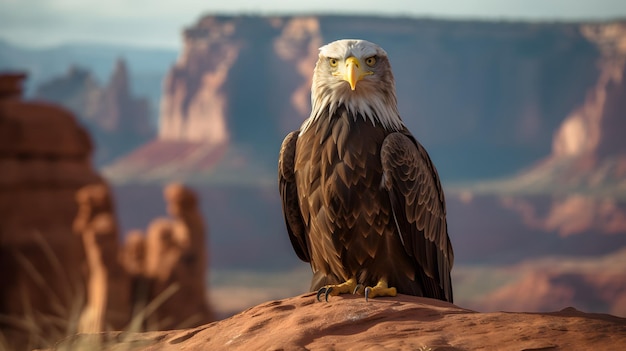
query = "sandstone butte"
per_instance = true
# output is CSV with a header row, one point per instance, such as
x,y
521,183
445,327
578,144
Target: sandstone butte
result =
x,y
351,323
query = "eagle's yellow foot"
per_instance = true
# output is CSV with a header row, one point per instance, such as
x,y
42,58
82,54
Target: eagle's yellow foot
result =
x,y
381,289
333,290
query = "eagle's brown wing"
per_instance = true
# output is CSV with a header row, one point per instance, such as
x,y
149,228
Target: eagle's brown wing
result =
x,y
419,210
289,196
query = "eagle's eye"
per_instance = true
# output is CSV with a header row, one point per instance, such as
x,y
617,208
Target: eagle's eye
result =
x,y
370,61
333,62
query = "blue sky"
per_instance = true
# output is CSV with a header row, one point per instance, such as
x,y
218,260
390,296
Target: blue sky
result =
x,y
158,23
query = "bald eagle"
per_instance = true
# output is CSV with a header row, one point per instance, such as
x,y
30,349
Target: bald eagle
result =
x,y
361,198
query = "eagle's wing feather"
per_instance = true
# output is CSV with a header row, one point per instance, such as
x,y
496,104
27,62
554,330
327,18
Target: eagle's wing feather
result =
x,y
419,210
289,196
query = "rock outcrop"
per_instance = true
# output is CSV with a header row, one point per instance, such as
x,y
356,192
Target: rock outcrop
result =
x,y
133,258
109,294
176,263
400,323
45,157
152,282
63,269
118,121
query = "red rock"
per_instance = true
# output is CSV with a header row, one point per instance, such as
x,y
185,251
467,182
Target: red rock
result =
x,y
176,260
40,128
108,301
44,160
400,323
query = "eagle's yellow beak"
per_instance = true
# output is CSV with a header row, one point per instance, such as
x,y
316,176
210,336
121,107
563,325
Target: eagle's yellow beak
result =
x,y
354,71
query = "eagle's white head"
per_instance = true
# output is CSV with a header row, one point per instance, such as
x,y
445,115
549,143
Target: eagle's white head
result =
x,y
355,74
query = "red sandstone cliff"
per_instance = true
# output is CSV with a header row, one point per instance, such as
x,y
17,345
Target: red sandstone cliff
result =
x,y
485,97
194,103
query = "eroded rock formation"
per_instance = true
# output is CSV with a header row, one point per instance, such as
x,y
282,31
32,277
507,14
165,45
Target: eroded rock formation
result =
x,y
133,258
63,270
194,103
176,263
118,121
45,157
152,282
108,303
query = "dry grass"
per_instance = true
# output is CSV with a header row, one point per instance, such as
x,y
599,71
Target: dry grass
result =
x,y
43,329
55,330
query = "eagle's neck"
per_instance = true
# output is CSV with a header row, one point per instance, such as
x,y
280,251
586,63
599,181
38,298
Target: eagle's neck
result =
x,y
375,108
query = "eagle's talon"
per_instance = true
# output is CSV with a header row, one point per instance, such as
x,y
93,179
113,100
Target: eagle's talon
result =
x,y
328,291
357,289
333,290
381,289
321,291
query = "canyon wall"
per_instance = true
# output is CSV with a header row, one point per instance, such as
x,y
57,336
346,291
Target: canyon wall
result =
x,y
237,76
484,97
585,170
